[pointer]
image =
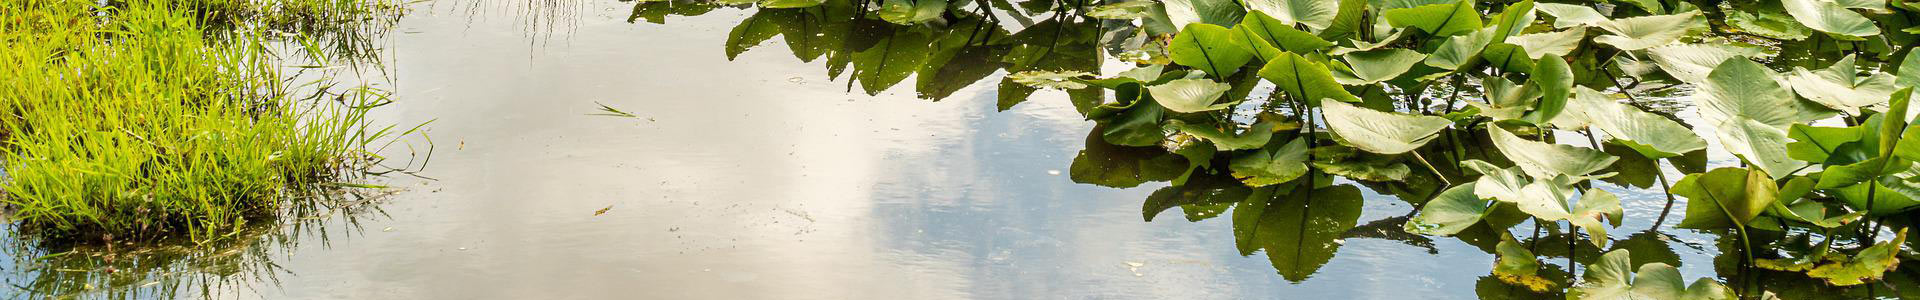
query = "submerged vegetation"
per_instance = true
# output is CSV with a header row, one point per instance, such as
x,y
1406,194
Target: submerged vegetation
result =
x,y
150,119
1790,139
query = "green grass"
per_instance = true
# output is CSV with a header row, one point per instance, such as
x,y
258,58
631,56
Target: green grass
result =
x,y
146,119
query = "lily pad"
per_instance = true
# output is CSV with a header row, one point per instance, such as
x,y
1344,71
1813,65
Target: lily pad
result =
x,y
1829,17
1380,132
1545,160
1649,31
1304,80
1447,19
1190,95
1210,48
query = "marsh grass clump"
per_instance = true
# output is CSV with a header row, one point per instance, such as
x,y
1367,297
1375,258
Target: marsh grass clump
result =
x,y
130,121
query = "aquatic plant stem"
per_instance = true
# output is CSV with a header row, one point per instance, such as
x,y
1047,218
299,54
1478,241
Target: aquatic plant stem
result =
x,y
1665,189
1436,171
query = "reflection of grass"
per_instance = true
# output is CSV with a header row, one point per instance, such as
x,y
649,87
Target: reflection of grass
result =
x,y
220,267
145,119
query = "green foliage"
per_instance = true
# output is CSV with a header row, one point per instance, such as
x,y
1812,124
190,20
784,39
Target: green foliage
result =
x,y
147,120
1804,95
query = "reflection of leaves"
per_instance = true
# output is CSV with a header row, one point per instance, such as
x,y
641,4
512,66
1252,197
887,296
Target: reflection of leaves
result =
x,y
1515,265
1390,229
1051,45
1299,229
891,59
1200,191
1611,278
752,31
1122,166
1869,265
1064,80
909,12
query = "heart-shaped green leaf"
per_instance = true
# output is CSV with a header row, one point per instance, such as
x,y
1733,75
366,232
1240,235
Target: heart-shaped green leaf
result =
x,y
1446,19
1210,48
1380,132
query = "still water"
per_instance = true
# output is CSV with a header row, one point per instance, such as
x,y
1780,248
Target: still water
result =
x,y
761,176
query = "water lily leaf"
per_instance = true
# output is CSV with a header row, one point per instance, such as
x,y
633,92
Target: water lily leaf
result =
x,y
1122,11
1117,166
1190,95
1508,57
1210,48
1889,194
1859,172
1596,211
1610,278
1555,79
1751,111
1448,213
1725,197
1135,124
1496,183
1649,31
1305,80
1544,160
1253,138
1183,13
1369,67
1570,15
1347,21
1651,135
791,3
1506,100
1557,43
1278,34
1315,14
1380,132
1515,265
1064,80
1376,170
909,12
1460,50
1871,264
1909,73
1807,210
1446,19
1513,20
1817,144
1690,63
1769,23
1273,165
1299,229
1828,16
1839,87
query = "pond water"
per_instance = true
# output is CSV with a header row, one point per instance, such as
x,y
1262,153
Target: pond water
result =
x,y
761,176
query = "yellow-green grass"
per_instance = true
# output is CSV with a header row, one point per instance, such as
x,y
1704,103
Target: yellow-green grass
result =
x,y
148,118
